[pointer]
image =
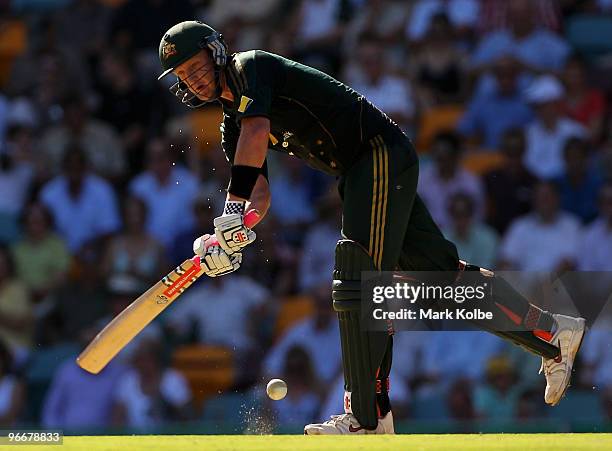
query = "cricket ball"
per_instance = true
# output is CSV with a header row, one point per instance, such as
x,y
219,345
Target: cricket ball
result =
x,y
276,389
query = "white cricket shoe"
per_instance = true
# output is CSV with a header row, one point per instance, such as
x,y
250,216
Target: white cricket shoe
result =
x,y
558,371
348,424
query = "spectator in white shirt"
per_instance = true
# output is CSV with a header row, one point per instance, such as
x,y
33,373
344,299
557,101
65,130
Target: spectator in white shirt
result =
x,y
388,92
597,237
476,242
317,258
319,336
222,310
438,182
536,48
83,205
442,367
545,240
99,141
547,135
168,190
150,395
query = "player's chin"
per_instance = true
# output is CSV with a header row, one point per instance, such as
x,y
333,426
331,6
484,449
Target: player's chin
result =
x,y
206,94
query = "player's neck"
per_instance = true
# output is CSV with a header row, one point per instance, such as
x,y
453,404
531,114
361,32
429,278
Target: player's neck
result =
x,y
226,92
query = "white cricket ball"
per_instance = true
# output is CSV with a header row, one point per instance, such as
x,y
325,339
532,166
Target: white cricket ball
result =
x,y
276,389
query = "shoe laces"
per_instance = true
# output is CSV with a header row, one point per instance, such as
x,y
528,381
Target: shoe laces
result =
x,y
334,419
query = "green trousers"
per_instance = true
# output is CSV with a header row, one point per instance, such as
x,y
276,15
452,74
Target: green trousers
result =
x,y
383,212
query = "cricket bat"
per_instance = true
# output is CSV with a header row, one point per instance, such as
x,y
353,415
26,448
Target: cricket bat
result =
x,y
131,321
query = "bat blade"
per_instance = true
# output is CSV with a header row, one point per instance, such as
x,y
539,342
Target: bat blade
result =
x,y
131,321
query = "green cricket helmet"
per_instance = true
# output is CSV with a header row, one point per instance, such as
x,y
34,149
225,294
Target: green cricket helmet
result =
x,y
183,41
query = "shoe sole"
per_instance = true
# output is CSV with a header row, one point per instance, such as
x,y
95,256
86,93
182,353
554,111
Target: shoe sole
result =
x,y
573,358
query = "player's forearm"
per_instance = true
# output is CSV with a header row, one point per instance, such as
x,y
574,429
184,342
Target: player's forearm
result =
x,y
252,146
260,199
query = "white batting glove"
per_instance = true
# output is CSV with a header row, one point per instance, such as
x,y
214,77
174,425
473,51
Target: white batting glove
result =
x,y
230,230
214,260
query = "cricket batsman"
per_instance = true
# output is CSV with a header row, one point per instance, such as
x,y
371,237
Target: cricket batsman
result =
x,y
270,102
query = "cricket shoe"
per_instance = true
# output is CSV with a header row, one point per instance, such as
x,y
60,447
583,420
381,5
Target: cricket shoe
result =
x,y
348,424
558,371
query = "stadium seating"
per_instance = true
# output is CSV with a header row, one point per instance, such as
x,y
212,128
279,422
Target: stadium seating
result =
x,y
208,369
292,310
436,120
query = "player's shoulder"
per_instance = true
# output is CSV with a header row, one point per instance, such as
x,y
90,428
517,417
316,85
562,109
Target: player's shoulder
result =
x,y
251,62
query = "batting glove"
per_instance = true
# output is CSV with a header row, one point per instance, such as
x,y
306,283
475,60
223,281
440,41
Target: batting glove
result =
x,y
230,230
214,260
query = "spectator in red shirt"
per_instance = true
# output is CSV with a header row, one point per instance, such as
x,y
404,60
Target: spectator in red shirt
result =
x,y
583,102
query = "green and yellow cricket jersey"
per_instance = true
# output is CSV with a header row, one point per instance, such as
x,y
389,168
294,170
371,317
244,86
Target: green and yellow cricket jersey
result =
x,y
312,115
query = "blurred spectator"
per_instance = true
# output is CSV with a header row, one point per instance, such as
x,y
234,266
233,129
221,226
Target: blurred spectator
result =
x,y
509,188
463,14
47,73
498,398
476,242
536,48
438,182
16,312
98,140
319,336
443,368
12,391
528,405
79,197
388,92
580,183
316,27
150,394
134,251
82,26
168,191
222,311
545,240
78,399
492,113
204,214
16,175
547,135
317,258
280,271
126,105
41,257
383,19
460,400
251,17
4,114
596,357
302,402
438,64
291,190
606,399
495,14
597,236
583,102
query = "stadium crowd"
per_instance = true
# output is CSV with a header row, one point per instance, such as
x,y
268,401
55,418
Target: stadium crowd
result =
x,y
105,180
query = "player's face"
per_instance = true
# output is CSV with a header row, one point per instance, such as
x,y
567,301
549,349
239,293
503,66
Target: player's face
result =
x,y
198,74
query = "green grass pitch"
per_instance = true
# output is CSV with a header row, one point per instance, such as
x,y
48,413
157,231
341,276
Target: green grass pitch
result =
x,y
417,442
